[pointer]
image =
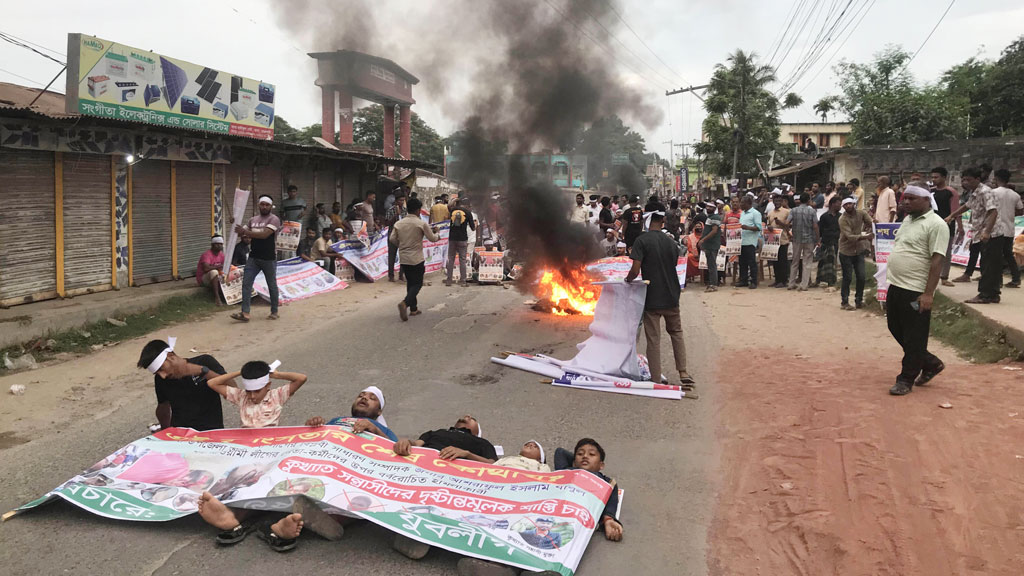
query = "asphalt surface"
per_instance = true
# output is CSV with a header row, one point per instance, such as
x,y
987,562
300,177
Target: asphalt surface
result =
x,y
432,369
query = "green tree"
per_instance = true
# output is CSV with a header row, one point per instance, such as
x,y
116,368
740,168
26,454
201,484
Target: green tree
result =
x,y
991,91
743,115
885,105
825,106
609,136
368,130
285,132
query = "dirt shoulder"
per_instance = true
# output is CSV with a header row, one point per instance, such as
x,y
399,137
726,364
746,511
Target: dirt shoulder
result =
x,y
822,472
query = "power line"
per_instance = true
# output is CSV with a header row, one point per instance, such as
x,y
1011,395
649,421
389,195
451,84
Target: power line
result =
x,y
630,28
927,38
36,82
799,33
61,54
819,49
12,40
810,45
790,17
639,59
864,12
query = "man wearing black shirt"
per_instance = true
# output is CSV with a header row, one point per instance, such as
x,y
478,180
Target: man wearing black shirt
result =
x,y
460,441
632,222
241,253
606,220
458,241
183,398
947,200
828,227
656,255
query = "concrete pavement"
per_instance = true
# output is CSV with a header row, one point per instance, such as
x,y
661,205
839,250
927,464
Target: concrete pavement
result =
x,y
433,368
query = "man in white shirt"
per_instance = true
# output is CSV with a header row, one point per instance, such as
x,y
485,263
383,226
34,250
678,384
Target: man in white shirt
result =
x,y
580,214
885,210
1008,206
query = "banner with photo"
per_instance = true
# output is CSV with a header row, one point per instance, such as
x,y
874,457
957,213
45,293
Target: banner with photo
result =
x,y
238,218
719,261
885,237
962,239
298,279
772,242
370,257
287,238
492,265
617,267
231,285
531,520
733,239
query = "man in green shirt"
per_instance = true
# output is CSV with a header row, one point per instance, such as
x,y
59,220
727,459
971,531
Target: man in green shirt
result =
x,y
913,271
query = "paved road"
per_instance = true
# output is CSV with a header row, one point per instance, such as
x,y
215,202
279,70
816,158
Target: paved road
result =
x,y
432,368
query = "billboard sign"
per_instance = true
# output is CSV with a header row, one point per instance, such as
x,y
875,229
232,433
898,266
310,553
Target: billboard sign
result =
x,y
111,80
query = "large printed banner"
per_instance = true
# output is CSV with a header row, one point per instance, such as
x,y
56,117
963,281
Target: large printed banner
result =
x,y
772,243
885,237
298,279
962,239
617,267
733,239
492,265
532,520
111,80
371,257
287,238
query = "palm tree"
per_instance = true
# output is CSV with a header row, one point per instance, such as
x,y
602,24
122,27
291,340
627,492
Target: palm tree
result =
x,y
824,106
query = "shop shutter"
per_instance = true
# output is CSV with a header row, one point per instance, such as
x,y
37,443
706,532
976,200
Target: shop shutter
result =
x,y
193,183
87,256
151,221
270,181
28,252
305,179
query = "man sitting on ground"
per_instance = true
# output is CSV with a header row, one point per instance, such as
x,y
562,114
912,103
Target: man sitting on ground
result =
x,y
183,398
210,264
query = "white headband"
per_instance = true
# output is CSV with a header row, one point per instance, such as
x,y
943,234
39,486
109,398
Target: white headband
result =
x,y
157,362
543,459
922,193
268,199
376,392
848,201
218,239
776,191
620,245
257,383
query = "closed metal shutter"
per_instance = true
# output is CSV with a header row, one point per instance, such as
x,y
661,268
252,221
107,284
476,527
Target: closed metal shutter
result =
x,y
306,181
193,182
87,256
28,252
151,221
270,181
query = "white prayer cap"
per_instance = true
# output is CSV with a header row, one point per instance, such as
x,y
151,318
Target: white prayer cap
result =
x,y
217,239
339,229
258,383
157,362
776,191
848,200
267,199
620,245
720,202
751,194
488,242
543,459
376,392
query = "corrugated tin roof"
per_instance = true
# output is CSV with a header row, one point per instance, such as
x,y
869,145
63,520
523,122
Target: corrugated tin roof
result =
x,y
799,166
17,97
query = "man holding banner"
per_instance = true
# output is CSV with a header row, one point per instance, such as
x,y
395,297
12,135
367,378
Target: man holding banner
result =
x,y
913,271
262,256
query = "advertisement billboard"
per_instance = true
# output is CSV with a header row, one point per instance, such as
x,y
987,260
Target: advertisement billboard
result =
x,y
111,80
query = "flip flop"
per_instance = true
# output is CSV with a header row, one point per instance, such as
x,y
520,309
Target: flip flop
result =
x,y
276,543
273,317
235,535
687,380
238,316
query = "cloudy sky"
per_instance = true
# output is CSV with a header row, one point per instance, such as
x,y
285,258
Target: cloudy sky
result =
x,y
439,41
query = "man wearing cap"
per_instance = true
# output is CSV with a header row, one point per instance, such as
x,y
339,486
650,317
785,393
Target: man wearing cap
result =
x,y
210,265
261,229
913,271
855,233
183,398
711,242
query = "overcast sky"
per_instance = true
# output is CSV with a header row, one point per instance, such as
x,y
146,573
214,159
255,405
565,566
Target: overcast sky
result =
x,y
249,39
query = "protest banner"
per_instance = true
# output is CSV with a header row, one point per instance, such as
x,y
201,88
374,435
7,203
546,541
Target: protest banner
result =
x,y
231,285
298,279
344,271
617,267
238,217
719,261
435,254
492,266
371,258
772,242
733,239
287,238
885,237
532,520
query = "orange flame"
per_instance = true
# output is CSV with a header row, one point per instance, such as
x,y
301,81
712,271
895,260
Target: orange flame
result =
x,y
572,295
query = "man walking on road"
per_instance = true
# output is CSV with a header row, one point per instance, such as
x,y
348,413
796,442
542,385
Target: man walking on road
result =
x,y
262,229
393,215
750,224
656,254
777,219
408,236
855,234
803,224
913,271
828,228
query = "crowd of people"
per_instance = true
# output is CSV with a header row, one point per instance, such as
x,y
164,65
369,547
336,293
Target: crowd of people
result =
x,y
189,391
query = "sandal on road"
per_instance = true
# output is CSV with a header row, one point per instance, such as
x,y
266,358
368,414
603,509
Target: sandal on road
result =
x,y
277,544
235,535
273,317
927,375
240,317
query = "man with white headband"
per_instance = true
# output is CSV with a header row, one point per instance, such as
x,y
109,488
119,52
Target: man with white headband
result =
x,y
261,229
183,398
367,415
210,265
855,234
913,271
656,254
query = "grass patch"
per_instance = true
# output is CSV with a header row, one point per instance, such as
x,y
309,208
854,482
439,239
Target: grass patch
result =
x,y
86,339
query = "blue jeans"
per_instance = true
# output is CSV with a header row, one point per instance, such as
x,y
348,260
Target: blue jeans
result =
x,y
253,266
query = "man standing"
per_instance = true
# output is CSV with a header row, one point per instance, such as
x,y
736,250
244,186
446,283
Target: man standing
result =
x,y
293,207
262,230
365,211
817,197
750,234
632,222
802,224
579,214
674,219
858,193
913,273
458,242
183,398
439,211
947,201
828,226
408,236
1009,206
656,254
337,218
711,243
321,219
984,211
777,218
391,217
210,265
855,233
593,212
606,219
885,207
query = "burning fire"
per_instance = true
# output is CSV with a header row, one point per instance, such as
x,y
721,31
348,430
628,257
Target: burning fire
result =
x,y
568,295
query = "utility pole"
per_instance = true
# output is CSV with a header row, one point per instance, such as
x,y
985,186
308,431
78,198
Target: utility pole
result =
x,y
738,129
689,89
